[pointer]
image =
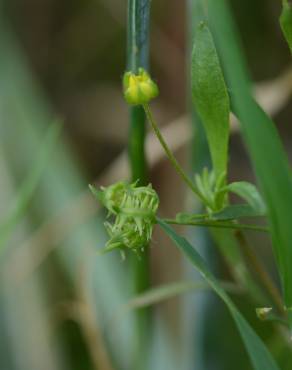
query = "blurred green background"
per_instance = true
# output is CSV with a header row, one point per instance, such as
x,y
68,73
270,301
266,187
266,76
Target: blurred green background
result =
x,y
60,304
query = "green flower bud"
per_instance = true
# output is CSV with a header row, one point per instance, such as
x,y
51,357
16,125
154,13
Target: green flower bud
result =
x,y
112,196
139,88
134,209
128,237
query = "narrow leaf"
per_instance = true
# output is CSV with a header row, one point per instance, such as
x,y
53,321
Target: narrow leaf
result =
x,y
236,211
286,22
248,192
232,212
27,189
162,293
257,351
210,97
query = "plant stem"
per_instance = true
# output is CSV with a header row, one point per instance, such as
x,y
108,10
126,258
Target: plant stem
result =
x,y
137,56
136,147
217,224
170,155
260,271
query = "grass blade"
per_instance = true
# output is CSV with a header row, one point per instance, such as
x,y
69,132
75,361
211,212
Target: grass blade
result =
x,y
159,294
29,185
257,351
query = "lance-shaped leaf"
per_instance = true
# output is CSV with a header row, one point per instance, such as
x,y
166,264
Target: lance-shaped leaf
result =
x,y
210,97
260,357
248,192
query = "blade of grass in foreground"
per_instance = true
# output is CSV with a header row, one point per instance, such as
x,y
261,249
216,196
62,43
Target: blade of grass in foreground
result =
x,y
260,357
29,185
263,142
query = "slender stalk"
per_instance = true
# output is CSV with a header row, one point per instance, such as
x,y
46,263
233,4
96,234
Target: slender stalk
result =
x,y
260,271
136,149
137,56
217,224
170,155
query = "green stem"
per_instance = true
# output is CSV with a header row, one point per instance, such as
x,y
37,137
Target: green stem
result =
x,y
261,273
136,145
217,224
170,155
137,56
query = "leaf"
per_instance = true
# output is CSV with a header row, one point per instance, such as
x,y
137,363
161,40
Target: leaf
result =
x,y
231,212
236,211
95,191
28,187
286,22
248,192
210,97
207,221
263,142
186,217
260,357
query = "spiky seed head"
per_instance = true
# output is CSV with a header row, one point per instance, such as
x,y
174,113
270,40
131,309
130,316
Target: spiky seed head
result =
x,y
134,209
